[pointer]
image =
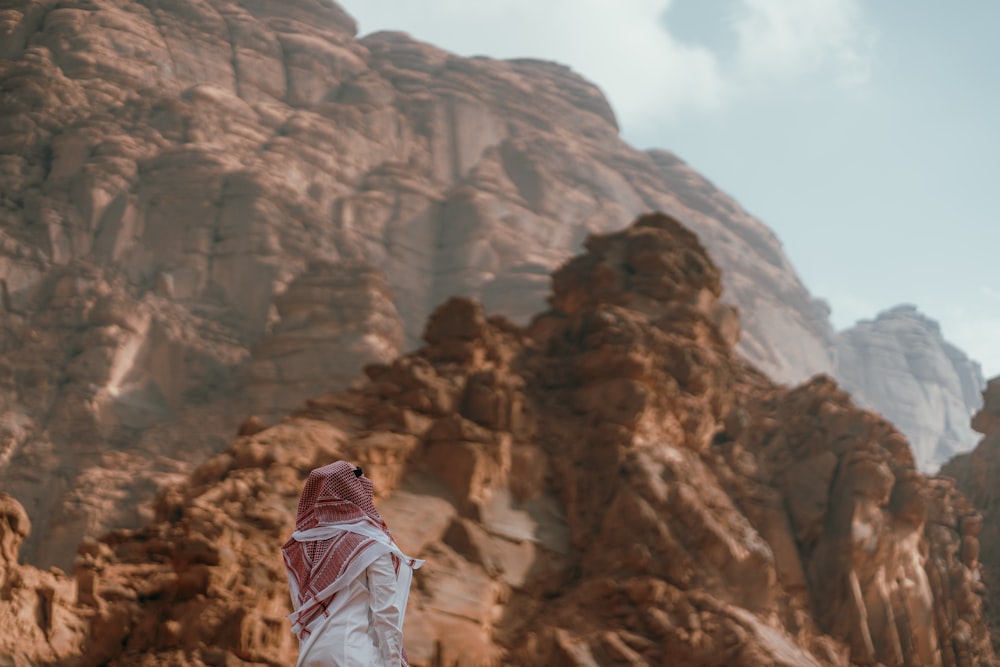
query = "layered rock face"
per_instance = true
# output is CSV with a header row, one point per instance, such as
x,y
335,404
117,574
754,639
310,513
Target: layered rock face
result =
x,y
329,319
40,622
976,474
902,353
611,485
219,206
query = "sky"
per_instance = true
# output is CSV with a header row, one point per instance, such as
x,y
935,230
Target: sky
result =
x,y
865,133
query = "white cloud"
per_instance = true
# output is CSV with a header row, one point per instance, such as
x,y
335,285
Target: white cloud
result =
x,y
792,38
625,46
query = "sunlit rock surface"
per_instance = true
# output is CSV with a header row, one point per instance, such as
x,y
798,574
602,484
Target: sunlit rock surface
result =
x,y
976,474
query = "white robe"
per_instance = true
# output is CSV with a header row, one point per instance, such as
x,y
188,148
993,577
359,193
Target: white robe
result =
x,y
364,624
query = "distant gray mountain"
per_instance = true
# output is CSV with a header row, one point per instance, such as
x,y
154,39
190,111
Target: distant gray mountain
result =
x,y
899,364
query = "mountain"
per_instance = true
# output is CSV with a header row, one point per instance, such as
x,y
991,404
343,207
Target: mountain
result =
x,y
610,485
216,208
901,353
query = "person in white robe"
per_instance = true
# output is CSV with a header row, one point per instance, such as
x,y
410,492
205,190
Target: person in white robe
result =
x,y
349,580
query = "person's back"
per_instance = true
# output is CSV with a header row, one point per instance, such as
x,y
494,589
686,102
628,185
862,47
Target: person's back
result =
x,y
349,581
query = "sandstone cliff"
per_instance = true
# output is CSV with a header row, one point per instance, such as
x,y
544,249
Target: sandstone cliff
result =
x,y
210,207
611,485
976,473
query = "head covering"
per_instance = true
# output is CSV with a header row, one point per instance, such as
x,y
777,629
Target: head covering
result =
x,y
338,534
334,494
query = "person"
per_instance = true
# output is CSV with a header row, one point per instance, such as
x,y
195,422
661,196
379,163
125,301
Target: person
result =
x,y
349,580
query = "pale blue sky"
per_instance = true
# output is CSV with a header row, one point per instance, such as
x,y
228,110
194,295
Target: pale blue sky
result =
x,y
864,133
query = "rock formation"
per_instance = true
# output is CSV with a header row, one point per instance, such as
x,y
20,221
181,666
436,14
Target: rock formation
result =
x,y
611,485
976,474
195,197
40,622
902,353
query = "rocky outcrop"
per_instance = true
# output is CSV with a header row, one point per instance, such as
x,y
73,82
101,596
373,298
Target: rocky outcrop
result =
x,y
903,354
976,473
40,622
610,485
186,190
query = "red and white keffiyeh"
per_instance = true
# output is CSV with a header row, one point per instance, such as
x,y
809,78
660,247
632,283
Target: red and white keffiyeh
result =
x,y
338,534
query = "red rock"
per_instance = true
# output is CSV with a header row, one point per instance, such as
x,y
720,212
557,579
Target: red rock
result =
x,y
727,520
215,208
975,475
